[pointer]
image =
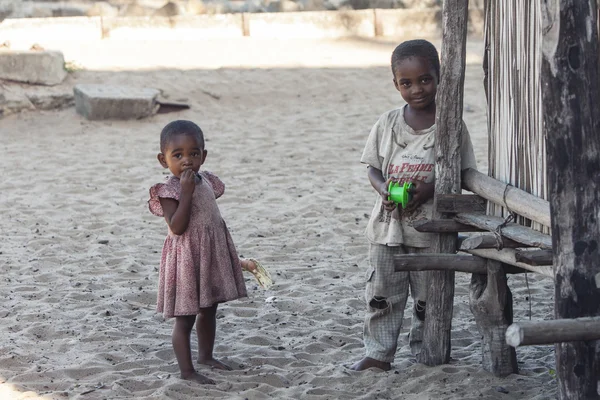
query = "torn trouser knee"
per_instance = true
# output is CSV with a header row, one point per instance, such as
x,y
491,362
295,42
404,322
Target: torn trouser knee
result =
x,y
379,303
378,308
385,295
382,327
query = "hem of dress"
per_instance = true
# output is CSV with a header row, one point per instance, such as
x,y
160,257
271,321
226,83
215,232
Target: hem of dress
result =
x,y
198,311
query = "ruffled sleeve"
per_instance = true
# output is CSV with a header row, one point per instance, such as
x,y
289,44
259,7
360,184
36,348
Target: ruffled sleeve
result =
x,y
217,184
170,190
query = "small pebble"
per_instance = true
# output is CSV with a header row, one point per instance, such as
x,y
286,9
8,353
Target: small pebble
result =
x,y
501,389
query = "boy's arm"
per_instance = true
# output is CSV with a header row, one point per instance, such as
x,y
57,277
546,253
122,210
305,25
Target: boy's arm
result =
x,y
381,186
421,193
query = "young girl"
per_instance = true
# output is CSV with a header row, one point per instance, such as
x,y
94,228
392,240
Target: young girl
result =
x,y
400,148
199,267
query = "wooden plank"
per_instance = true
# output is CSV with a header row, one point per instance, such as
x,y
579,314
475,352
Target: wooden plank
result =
x,y
457,203
487,241
553,331
571,96
516,232
517,200
435,261
166,106
449,122
508,256
443,226
460,239
441,262
534,257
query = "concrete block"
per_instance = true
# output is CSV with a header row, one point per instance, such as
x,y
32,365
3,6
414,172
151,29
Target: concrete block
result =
x,y
97,102
37,67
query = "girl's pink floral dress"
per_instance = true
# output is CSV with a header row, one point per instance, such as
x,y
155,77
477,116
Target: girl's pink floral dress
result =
x,y
200,267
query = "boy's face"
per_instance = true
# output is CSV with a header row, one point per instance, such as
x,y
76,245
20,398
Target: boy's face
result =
x,y
416,80
182,152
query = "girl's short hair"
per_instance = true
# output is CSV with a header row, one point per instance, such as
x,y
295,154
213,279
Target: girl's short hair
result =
x,y
416,48
180,127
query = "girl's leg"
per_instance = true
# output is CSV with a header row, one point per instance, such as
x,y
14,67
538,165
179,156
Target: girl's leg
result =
x,y
206,327
181,344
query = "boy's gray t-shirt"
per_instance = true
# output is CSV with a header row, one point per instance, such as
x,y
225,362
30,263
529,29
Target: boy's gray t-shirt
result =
x,y
403,153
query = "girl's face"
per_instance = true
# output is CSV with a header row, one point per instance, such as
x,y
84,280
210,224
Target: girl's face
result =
x,y
182,152
416,80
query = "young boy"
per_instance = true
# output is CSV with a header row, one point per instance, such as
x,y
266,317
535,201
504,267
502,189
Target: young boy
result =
x,y
400,148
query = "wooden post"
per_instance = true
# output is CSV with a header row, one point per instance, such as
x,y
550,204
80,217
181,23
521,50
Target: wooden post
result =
x,y
440,296
245,21
104,29
571,98
377,25
491,305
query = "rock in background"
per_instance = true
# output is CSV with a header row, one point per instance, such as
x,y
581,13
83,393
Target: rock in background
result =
x,y
16,98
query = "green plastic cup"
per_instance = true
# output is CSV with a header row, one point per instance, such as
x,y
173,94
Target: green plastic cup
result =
x,y
399,194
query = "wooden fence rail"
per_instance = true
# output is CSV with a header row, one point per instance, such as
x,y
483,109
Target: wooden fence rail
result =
x,y
553,331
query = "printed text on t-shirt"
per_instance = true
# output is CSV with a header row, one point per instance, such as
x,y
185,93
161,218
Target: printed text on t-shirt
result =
x,y
408,167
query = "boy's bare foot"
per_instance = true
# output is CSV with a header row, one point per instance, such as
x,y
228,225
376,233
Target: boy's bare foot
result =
x,y
199,378
369,362
214,364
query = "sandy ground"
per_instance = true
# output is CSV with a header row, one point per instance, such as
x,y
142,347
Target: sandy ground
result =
x,y
286,122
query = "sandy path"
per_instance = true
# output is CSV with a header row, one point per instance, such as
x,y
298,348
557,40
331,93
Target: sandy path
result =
x,y
285,123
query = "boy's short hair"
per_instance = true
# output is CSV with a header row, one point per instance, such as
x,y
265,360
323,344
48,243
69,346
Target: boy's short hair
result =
x,y
180,127
416,48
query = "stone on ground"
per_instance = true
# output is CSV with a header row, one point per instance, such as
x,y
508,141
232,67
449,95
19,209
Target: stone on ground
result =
x,y
35,67
96,101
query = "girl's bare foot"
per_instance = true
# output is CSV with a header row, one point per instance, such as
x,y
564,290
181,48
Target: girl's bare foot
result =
x,y
369,362
214,364
199,378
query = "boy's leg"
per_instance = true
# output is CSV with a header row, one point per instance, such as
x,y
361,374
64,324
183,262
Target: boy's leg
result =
x,y
386,294
418,291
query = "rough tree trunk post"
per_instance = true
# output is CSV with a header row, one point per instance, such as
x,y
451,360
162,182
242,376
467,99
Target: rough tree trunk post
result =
x,y
491,305
571,95
440,297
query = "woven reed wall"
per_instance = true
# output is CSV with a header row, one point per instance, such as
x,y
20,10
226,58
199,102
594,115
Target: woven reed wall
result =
x,y
517,148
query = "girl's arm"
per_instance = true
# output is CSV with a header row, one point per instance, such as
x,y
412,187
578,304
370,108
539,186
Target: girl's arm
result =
x,y
381,186
177,213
